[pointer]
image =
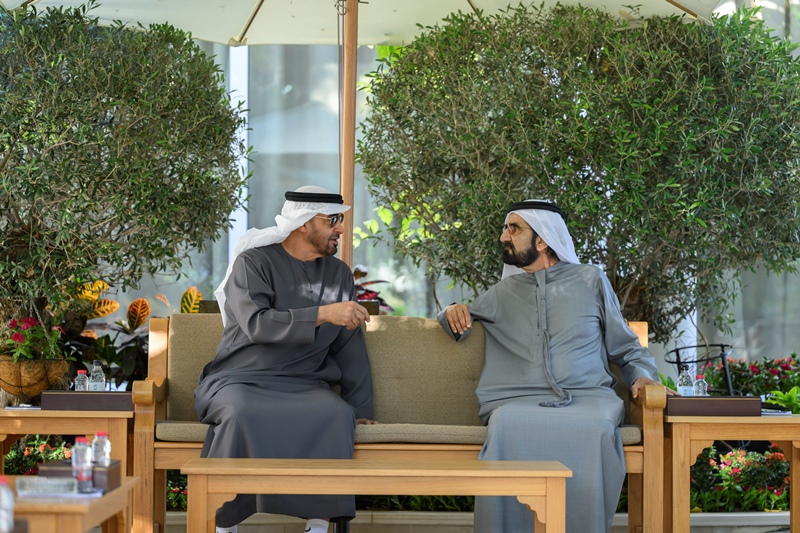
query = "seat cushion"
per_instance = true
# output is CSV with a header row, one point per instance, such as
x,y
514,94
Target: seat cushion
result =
x,y
171,431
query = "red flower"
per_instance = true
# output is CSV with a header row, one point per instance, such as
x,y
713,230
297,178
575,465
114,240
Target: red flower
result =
x,y
786,366
13,324
18,337
754,369
28,323
774,371
185,492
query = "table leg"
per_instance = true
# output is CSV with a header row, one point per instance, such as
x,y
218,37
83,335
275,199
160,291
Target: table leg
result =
x,y
794,486
118,436
681,464
197,504
550,510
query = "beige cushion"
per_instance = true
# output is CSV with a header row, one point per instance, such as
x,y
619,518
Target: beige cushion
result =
x,y
398,433
420,433
193,340
424,381
173,431
422,376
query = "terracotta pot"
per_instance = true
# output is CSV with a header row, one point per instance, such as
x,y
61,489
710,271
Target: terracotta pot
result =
x,y
30,377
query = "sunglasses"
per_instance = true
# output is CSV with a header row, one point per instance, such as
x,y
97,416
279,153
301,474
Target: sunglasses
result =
x,y
338,218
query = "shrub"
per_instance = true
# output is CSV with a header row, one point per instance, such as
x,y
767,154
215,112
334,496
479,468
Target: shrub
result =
x,y
756,378
673,169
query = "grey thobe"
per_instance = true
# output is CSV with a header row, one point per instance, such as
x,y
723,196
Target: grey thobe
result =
x,y
267,391
573,309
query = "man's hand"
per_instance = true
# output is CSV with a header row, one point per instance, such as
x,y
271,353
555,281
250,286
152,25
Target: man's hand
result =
x,y
640,383
348,314
459,318
366,421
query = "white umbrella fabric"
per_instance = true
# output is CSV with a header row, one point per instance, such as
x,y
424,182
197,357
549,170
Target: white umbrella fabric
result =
x,y
314,21
241,22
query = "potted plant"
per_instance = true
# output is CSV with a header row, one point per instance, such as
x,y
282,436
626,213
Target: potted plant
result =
x,y
32,360
119,154
673,173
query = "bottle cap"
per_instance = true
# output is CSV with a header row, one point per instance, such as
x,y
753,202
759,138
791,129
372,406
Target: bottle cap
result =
x,y
81,440
97,362
101,434
81,371
3,480
700,376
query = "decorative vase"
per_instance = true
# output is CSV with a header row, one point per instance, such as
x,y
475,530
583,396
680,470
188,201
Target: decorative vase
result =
x,y
30,377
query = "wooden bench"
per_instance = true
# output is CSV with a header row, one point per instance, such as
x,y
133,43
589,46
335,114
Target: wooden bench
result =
x,y
540,485
424,396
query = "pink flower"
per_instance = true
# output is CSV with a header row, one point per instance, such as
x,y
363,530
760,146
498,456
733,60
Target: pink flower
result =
x,y
754,369
774,371
18,337
28,323
786,366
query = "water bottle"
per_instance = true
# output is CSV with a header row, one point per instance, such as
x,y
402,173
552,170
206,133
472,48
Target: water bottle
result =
x,y
700,386
82,464
81,381
101,449
6,506
685,383
97,379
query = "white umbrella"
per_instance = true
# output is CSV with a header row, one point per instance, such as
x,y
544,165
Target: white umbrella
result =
x,y
236,22
314,21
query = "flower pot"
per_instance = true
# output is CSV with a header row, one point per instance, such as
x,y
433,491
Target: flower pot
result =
x,y
30,377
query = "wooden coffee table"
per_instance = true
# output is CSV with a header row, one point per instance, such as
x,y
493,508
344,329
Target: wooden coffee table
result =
x,y
540,485
112,511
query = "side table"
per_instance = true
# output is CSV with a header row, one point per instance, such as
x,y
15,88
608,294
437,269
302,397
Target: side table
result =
x,y
118,424
112,511
687,436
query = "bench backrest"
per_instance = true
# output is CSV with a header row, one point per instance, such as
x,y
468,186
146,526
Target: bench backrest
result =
x,y
420,375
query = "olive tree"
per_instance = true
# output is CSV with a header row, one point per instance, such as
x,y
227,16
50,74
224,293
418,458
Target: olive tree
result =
x,y
673,146
119,152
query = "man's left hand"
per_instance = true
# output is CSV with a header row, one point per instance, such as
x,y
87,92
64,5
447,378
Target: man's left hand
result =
x,y
366,421
640,383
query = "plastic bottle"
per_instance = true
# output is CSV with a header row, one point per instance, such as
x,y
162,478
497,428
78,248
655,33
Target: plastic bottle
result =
x,y
82,464
101,449
700,386
685,384
81,381
97,379
6,506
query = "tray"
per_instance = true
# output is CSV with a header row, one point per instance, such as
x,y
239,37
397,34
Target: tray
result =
x,y
713,406
53,400
106,478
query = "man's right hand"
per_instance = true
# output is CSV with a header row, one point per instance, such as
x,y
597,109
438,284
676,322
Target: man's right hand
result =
x,y
459,318
348,314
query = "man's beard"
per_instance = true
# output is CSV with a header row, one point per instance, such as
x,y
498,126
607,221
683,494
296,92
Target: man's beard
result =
x,y
324,242
519,259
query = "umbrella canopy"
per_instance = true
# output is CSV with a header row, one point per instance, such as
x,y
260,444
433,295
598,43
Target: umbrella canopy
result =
x,y
238,22
315,21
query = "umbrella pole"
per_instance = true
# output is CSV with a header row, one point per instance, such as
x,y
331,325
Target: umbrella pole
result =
x,y
348,125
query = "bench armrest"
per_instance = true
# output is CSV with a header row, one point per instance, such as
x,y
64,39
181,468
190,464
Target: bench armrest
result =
x,y
651,397
146,392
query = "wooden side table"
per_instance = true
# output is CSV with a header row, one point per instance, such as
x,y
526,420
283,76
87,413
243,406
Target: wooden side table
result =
x,y
16,423
687,436
112,511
